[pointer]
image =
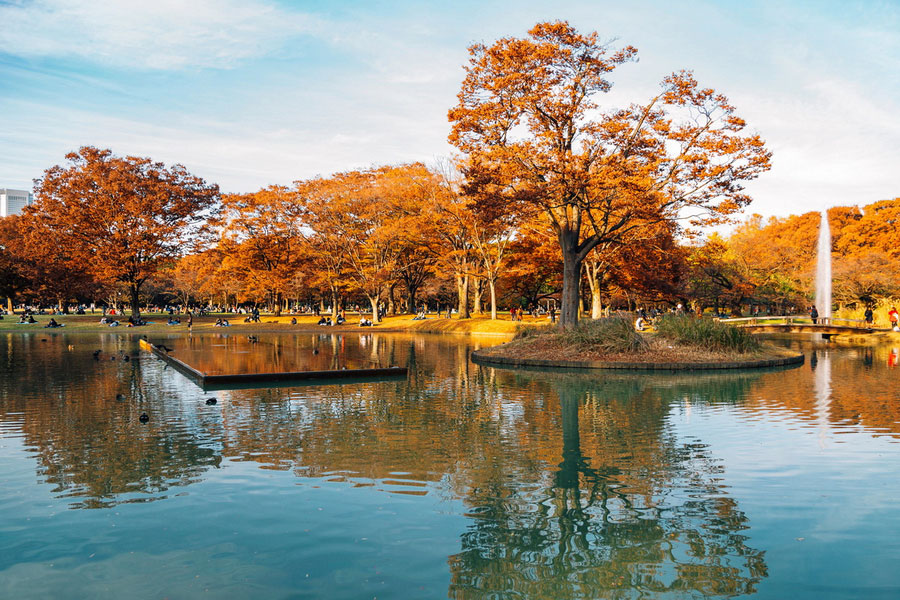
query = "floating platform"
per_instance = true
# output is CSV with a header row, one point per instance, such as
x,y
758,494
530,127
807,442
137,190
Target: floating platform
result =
x,y
249,380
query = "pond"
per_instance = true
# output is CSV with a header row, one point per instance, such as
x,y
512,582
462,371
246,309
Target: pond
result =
x,y
458,481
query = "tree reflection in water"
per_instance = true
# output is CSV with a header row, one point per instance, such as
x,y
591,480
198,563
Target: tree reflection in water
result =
x,y
80,419
653,521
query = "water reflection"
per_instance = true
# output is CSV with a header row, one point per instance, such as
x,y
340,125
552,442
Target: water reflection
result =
x,y
628,509
822,376
572,484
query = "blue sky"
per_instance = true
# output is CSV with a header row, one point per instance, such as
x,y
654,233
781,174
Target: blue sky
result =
x,y
248,93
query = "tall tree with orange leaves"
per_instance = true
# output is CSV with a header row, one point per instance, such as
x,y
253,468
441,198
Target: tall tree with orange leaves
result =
x,y
262,240
121,217
528,120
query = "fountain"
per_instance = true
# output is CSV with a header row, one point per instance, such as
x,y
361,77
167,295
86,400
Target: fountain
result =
x,y
823,269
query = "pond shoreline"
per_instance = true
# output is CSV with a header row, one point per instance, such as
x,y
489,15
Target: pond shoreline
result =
x,y
306,324
484,357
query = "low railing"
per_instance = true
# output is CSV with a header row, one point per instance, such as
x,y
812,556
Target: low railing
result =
x,y
797,320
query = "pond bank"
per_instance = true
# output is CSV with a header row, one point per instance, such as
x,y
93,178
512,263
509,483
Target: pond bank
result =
x,y
477,325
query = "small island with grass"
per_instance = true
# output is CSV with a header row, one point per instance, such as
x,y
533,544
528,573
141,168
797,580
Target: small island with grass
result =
x,y
679,342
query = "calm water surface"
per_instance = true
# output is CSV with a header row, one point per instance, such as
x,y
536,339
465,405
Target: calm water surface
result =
x,y
460,481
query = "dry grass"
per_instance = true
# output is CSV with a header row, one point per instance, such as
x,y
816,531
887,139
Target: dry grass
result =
x,y
550,347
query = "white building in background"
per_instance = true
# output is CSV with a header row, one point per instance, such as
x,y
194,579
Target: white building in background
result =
x,y
13,201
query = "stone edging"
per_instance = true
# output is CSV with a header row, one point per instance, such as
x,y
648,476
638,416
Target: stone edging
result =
x,y
480,358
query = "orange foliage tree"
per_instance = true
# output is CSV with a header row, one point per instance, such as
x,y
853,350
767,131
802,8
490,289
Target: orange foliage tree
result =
x,y
12,278
261,239
873,229
527,119
361,224
121,217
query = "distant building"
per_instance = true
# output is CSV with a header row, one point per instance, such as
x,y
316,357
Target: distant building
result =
x,y
13,201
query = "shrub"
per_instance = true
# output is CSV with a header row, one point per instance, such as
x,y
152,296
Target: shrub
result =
x,y
524,331
706,333
614,334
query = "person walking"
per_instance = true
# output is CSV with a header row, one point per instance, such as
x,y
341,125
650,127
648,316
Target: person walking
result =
x,y
869,316
894,317
814,314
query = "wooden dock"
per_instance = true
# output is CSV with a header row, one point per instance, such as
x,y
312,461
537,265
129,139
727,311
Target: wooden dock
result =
x,y
261,379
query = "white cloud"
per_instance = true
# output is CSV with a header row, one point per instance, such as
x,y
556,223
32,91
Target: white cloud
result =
x,y
157,34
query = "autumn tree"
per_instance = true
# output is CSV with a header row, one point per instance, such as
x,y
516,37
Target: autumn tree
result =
x,y
262,238
528,120
12,278
716,277
193,274
873,230
865,278
123,217
326,244
534,266
360,225
452,229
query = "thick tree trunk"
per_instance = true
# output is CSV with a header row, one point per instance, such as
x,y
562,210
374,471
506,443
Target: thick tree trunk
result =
x,y
411,290
570,298
334,306
392,304
134,290
462,288
478,293
277,304
9,306
373,301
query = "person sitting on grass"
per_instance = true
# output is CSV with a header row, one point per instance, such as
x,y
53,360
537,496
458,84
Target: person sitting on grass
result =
x,y
340,320
322,321
52,324
364,322
640,324
293,320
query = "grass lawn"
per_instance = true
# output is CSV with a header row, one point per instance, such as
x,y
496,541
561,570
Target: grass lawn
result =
x,y
479,324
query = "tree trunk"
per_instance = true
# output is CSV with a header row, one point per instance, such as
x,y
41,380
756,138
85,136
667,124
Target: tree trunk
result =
x,y
277,304
570,298
411,290
462,288
392,304
373,300
596,303
492,285
334,306
593,279
9,306
134,289
477,295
